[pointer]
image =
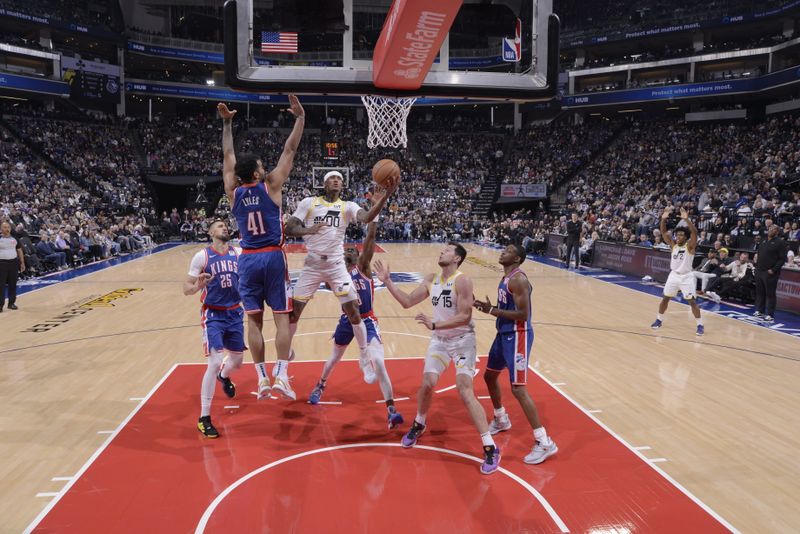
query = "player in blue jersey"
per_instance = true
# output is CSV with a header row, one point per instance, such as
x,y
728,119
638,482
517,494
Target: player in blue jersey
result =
x,y
511,350
358,265
263,270
214,272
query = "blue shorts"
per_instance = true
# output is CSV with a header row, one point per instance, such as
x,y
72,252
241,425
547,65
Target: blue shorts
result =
x,y
223,329
344,331
512,351
264,277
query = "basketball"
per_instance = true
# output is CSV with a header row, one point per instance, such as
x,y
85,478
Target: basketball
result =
x,y
383,170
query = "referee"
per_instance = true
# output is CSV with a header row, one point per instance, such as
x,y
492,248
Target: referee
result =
x,y
12,262
771,257
574,234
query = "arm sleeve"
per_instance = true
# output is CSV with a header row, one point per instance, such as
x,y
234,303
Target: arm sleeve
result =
x,y
303,208
198,264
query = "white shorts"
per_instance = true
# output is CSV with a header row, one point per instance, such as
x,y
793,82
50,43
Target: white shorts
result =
x,y
685,283
317,271
462,350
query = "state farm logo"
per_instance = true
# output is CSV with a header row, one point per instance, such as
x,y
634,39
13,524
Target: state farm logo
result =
x,y
418,45
409,74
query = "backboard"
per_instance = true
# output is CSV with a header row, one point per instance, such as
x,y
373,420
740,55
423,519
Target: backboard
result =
x,y
506,50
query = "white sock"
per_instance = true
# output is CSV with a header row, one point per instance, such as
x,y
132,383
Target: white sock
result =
x,y
660,316
487,440
281,369
209,382
420,418
375,351
699,320
338,352
500,412
540,435
231,363
360,332
261,371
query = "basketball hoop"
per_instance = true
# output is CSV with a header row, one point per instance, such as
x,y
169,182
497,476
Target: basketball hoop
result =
x,y
387,120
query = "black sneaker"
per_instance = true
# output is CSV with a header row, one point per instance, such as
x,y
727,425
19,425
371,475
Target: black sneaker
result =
x,y
12,307
410,439
206,428
227,386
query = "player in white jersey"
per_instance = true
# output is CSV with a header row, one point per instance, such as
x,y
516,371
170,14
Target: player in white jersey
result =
x,y
681,277
325,259
453,339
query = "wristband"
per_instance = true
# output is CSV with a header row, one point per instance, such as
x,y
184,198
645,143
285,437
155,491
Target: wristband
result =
x,y
433,326
490,309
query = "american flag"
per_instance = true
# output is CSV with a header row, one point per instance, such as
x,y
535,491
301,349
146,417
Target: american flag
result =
x,y
285,42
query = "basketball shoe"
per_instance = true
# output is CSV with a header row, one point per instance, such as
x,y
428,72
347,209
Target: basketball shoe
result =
x,y
656,324
206,428
491,459
540,452
283,388
316,393
701,330
264,388
394,417
499,424
410,439
227,385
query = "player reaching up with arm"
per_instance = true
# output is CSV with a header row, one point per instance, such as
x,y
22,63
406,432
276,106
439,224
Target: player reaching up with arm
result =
x,y
681,277
256,200
325,262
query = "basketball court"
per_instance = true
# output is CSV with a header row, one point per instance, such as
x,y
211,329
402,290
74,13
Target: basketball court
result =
x,y
655,430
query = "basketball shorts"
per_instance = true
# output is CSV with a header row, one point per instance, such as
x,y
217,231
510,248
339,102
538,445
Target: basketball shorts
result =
x,y
344,331
461,350
512,351
317,271
264,277
685,283
222,330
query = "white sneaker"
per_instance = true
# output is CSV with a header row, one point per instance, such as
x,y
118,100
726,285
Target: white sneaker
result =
x,y
716,298
283,387
264,387
540,452
499,424
368,367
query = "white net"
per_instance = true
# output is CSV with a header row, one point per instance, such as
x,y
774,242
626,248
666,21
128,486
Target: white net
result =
x,y
387,120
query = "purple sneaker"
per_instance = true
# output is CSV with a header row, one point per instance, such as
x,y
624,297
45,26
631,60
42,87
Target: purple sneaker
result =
x,y
410,439
491,459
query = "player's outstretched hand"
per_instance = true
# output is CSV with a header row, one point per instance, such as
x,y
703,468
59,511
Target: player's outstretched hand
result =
x,y
203,280
667,212
423,319
484,306
684,214
295,108
381,271
224,112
